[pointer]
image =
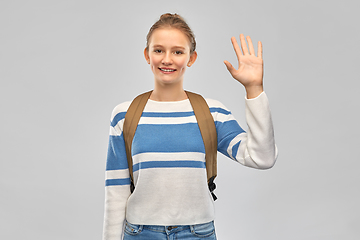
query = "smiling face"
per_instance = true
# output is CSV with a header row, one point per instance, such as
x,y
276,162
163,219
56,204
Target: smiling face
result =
x,y
168,55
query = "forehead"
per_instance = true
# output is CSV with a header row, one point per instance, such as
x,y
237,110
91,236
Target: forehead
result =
x,y
169,37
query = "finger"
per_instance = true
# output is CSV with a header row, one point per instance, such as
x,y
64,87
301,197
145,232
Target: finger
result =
x,y
236,48
230,68
243,44
251,47
260,51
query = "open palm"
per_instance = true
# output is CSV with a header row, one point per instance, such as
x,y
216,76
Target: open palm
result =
x,y
250,69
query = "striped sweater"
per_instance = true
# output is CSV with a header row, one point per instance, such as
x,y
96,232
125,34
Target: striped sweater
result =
x,y
169,162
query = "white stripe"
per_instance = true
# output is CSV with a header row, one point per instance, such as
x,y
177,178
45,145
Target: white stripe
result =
x,y
113,132
117,130
220,117
215,104
167,120
154,156
117,174
176,106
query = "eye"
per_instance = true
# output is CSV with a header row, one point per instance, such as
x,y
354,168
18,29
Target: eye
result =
x,y
178,52
157,51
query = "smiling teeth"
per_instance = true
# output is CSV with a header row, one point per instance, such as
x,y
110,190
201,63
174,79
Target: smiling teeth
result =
x,y
167,70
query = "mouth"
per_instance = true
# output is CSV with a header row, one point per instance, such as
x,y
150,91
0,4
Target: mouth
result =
x,y
167,70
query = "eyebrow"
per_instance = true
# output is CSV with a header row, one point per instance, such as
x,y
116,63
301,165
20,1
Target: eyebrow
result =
x,y
177,47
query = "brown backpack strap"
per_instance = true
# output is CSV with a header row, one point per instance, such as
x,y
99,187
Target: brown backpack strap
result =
x,y
209,136
203,118
131,121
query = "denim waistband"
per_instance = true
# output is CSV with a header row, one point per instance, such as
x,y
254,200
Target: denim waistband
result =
x,y
167,229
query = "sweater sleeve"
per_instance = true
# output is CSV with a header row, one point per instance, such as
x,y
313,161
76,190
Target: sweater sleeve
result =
x,y
117,183
255,148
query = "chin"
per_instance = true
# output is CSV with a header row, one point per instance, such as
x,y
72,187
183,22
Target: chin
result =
x,y
168,81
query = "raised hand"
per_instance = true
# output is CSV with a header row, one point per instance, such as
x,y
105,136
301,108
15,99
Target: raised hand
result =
x,y
250,70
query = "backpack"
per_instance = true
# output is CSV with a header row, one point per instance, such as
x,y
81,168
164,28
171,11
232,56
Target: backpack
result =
x,y
204,120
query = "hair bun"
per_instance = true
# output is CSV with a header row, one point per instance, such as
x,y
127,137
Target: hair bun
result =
x,y
170,15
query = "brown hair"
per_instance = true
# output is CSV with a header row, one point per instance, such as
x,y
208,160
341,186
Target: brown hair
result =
x,y
169,20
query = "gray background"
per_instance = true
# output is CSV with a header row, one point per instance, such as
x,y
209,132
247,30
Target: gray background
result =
x,y
64,65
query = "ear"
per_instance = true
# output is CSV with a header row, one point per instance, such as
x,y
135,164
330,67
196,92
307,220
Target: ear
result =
x,y
146,55
192,59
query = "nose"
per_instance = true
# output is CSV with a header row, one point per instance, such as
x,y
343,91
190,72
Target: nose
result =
x,y
167,60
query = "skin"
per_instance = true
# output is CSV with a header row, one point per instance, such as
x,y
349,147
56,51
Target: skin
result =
x,y
169,49
251,67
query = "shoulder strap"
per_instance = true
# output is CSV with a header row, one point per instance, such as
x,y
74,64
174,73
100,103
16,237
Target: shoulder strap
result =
x,y
204,120
209,136
131,121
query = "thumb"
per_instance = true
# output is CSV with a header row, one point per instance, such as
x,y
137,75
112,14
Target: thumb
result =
x,y
229,67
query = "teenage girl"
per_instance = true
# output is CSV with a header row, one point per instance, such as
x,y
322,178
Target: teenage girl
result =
x,y
171,198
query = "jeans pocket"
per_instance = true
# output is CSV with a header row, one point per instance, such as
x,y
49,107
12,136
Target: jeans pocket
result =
x,y
132,229
203,230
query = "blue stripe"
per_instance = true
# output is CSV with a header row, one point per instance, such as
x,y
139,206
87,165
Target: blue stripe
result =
x,y
167,114
121,115
220,110
227,131
118,117
119,181
169,164
167,138
235,149
116,156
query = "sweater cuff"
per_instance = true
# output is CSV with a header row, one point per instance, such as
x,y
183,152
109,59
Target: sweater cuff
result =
x,y
262,93
259,108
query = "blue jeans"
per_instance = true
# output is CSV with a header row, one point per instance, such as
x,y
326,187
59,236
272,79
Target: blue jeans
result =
x,y
204,231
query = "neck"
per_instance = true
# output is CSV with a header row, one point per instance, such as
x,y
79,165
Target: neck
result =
x,y
168,93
